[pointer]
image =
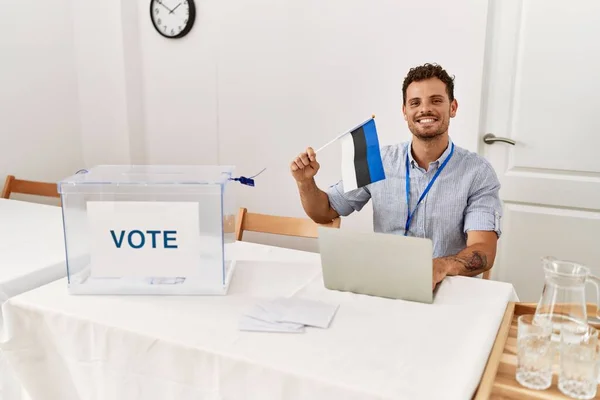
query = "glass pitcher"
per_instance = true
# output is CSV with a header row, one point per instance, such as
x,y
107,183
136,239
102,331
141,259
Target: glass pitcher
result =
x,y
563,299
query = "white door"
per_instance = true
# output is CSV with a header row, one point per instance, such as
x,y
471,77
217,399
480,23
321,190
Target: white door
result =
x,y
542,90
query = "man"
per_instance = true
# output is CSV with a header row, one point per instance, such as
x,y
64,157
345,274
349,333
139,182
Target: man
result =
x,y
460,211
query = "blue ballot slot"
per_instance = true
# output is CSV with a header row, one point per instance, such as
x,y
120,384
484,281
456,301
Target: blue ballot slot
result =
x,y
149,229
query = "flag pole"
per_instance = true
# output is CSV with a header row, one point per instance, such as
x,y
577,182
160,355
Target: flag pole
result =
x,y
344,134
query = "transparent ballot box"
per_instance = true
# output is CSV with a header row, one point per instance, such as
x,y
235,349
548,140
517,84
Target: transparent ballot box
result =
x,y
149,229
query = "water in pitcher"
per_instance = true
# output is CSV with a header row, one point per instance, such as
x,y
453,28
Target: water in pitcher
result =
x,y
563,299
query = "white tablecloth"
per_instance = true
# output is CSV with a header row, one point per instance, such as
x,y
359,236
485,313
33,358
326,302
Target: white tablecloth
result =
x,y
150,347
32,253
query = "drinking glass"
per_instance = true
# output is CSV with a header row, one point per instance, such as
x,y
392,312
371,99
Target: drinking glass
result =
x,y
578,361
534,352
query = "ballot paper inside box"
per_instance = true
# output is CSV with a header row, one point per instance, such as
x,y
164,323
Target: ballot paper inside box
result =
x,y
149,229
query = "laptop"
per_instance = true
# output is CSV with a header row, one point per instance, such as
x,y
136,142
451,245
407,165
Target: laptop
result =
x,y
377,264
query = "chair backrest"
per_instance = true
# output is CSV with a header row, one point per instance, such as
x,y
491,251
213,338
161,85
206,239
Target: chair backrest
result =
x,y
288,226
13,185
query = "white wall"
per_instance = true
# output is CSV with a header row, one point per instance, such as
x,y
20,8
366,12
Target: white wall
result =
x,y
257,82
180,83
109,81
254,84
39,123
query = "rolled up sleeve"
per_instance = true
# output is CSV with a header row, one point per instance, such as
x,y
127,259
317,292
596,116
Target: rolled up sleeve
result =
x,y
484,208
346,203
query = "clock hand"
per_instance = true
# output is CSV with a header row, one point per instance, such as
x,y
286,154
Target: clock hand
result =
x,y
173,10
161,3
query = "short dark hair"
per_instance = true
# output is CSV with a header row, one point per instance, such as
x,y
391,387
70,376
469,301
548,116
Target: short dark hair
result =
x,y
427,71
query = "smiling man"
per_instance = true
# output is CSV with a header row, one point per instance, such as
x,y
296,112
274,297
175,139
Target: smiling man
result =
x,y
433,188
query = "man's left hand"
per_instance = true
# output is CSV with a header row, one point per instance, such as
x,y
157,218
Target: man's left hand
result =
x,y
440,271
476,258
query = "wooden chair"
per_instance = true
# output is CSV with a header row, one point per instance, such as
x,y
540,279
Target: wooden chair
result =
x,y
288,226
13,185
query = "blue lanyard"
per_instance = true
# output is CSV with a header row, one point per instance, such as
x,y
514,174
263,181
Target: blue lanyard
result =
x,y
410,215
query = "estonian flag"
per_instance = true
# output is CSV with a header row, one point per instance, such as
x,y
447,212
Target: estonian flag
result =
x,y
361,157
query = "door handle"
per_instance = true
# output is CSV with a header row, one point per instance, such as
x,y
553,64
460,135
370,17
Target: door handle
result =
x,y
490,138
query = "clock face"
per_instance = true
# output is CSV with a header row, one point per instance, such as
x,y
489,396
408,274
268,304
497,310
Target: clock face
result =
x,y
172,18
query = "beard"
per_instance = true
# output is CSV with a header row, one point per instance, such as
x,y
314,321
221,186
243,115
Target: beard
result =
x,y
431,132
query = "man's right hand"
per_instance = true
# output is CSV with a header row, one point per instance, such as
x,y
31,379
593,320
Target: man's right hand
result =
x,y
305,166
314,200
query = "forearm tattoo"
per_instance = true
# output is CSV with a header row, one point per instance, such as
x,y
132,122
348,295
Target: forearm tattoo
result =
x,y
472,262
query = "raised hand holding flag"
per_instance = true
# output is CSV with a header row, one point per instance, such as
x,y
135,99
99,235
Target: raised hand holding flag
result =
x,y
361,156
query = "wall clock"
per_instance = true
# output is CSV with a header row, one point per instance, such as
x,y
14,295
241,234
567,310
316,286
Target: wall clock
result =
x,y
173,19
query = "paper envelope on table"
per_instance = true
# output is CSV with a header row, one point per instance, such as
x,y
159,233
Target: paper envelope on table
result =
x,y
303,311
260,320
252,324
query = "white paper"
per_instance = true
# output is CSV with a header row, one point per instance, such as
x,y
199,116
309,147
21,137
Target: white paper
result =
x,y
261,311
263,318
294,312
287,315
306,312
144,239
252,324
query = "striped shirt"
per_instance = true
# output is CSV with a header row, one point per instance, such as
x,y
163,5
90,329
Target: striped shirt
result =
x,y
464,197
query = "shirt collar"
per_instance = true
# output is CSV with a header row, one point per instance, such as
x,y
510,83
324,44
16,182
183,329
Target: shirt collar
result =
x,y
437,162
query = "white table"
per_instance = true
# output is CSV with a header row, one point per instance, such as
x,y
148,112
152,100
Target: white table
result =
x,y
32,251
32,254
68,347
